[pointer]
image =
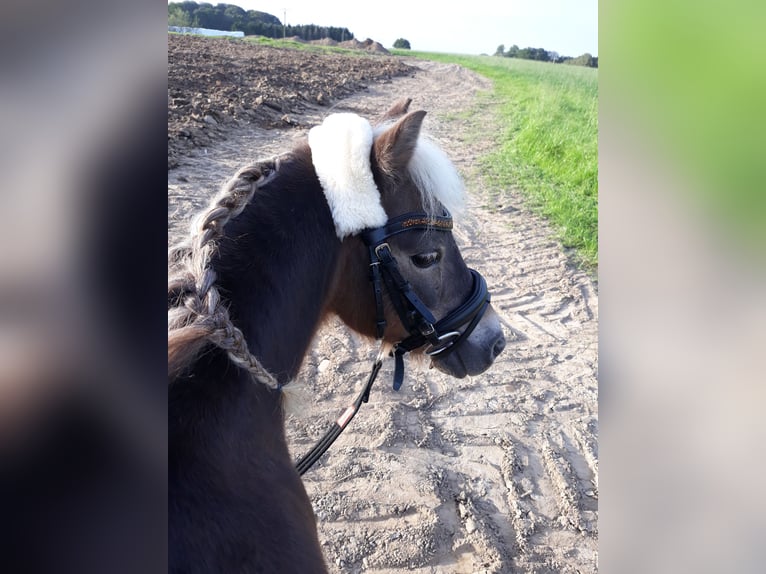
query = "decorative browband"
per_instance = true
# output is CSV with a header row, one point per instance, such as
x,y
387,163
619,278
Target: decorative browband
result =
x,y
407,222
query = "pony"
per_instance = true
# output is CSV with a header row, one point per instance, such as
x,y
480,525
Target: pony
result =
x,y
354,221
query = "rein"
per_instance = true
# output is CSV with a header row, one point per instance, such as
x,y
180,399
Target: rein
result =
x,y
337,427
442,337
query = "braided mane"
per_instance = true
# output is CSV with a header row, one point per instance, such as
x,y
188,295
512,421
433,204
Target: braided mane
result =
x,y
196,314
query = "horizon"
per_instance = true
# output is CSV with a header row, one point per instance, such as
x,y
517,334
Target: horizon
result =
x,y
569,28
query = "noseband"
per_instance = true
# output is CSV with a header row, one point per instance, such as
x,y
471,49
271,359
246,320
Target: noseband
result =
x,y
442,336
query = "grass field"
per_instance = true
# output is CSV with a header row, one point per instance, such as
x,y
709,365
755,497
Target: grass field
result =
x,y
547,140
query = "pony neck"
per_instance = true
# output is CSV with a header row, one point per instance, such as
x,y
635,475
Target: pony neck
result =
x,y
276,266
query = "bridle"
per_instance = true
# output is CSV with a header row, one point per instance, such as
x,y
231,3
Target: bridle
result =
x,y
442,336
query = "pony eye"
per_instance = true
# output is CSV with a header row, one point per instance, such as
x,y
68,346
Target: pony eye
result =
x,y
424,260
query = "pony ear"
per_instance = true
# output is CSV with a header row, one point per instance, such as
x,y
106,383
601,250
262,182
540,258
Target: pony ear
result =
x,y
393,148
399,108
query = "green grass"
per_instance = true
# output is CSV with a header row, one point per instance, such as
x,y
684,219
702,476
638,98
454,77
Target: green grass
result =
x,y
546,140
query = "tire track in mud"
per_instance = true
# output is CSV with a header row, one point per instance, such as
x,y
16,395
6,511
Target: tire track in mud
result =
x,y
496,473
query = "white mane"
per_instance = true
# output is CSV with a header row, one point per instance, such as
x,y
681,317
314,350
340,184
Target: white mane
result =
x,y
436,177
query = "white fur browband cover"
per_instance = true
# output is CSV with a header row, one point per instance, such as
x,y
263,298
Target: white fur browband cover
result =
x,y
340,150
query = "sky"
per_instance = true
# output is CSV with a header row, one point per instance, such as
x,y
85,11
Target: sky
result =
x,y
569,27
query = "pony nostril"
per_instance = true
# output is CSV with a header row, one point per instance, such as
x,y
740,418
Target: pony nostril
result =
x,y
499,346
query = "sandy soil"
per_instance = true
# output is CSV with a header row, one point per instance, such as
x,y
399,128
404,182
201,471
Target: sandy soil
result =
x,y
495,473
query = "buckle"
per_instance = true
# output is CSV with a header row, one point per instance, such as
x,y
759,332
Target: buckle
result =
x,y
450,339
381,246
426,329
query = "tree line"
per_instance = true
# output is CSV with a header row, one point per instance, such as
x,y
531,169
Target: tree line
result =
x,y
542,55
252,22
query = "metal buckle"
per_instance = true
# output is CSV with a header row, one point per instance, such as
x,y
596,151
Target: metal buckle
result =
x,y
426,329
451,338
381,246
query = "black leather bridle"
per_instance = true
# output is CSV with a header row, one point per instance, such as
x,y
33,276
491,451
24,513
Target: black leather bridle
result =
x,y
442,336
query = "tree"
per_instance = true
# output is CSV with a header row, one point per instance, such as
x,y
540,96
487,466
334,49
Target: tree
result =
x,y
500,50
584,60
230,17
178,17
256,16
539,54
402,44
235,15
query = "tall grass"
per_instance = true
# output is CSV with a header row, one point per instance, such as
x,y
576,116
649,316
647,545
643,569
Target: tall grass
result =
x,y
546,140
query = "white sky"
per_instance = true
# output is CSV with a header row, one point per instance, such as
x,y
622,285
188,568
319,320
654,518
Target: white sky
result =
x,y
569,27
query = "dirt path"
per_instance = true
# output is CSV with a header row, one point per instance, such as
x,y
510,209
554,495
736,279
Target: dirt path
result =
x,y
496,473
